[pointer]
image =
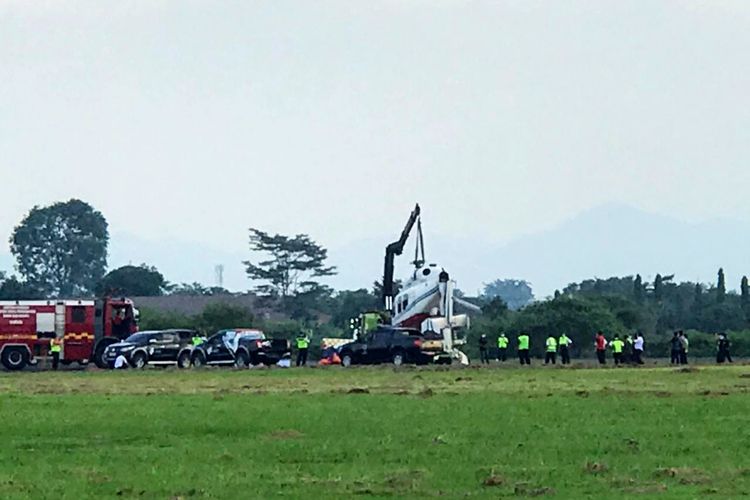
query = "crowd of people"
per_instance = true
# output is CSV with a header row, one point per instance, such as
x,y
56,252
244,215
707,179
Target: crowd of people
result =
x,y
627,350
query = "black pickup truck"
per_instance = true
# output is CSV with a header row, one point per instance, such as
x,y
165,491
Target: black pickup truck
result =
x,y
240,347
387,344
156,347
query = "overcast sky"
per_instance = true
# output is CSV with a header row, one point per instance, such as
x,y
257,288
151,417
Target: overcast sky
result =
x,y
197,119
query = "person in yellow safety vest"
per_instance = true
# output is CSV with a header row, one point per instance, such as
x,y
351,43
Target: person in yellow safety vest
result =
x,y
303,343
629,354
523,349
564,342
502,347
55,348
550,354
617,348
197,340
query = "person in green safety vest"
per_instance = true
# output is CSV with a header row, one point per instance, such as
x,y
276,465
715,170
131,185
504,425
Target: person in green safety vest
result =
x,y
302,343
523,349
197,340
55,348
628,354
502,347
564,342
617,348
550,354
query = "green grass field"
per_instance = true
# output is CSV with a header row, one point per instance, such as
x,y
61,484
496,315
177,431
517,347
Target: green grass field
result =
x,y
377,432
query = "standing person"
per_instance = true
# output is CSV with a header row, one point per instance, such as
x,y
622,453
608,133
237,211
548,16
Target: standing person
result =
x,y
638,349
676,345
483,357
617,349
303,343
601,345
502,347
683,348
551,353
722,346
55,347
523,349
629,354
564,342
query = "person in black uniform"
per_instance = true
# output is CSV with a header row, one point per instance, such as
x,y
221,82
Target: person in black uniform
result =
x,y
483,354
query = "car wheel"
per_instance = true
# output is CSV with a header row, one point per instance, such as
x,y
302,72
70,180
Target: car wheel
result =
x,y
346,360
199,359
15,358
183,360
241,360
99,360
399,358
139,360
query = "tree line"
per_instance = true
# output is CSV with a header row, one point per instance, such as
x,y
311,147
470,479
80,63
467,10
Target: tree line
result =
x,y
61,251
625,305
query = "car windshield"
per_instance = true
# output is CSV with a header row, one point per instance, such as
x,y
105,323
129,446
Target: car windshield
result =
x,y
139,337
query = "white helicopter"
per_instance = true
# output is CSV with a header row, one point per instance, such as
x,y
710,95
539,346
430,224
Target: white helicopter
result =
x,y
427,298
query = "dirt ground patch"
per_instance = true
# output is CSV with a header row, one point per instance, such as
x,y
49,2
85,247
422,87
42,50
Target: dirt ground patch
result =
x,y
285,434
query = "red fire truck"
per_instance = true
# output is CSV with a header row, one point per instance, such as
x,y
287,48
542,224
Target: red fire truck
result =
x,y
86,328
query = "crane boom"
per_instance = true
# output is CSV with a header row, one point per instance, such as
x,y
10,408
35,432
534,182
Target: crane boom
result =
x,y
394,249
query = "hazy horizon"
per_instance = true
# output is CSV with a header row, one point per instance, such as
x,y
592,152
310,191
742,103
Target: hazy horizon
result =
x,y
191,121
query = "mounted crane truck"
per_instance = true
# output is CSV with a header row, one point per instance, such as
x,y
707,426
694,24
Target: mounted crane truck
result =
x,y
424,305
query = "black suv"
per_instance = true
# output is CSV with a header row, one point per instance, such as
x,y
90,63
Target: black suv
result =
x,y
157,346
240,347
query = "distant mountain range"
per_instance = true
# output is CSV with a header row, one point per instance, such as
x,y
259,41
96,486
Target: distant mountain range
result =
x,y
609,240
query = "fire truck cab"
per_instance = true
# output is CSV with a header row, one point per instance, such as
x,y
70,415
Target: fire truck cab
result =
x,y
86,328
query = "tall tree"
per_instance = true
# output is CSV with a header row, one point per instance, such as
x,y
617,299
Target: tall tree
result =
x,y
745,292
12,289
348,304
377,290
698,295
658,287
194,288
134,281
515,293
61,250
721,286
638,288
293,266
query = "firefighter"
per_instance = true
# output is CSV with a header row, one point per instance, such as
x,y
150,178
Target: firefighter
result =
x,y
601,345
303,343
55,347
551,354
564,342
502,347
617,348
483,357
523,349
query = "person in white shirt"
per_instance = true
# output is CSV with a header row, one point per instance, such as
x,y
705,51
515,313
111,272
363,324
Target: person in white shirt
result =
x,y
638,349
120,362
